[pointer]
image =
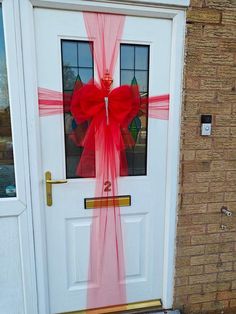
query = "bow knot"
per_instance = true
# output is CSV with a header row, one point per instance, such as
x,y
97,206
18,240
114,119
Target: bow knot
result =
x,y
106,100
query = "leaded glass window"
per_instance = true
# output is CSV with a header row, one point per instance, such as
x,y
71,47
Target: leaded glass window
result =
x,y
134,68
77,64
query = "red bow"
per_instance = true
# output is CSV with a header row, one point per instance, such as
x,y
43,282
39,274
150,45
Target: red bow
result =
x,y
110,112
89,102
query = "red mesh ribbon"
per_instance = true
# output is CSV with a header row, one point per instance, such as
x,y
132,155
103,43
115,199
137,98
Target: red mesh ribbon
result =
x,y
105,31
51,103
106,262
158,106
105,139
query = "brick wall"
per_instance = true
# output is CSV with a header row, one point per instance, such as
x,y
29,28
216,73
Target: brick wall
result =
x,y
206,255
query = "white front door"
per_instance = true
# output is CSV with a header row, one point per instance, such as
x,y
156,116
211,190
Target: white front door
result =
x,y
144,53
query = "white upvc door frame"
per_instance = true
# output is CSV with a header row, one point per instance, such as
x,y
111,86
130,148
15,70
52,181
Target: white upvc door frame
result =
x,y
147,9
19,207
74,4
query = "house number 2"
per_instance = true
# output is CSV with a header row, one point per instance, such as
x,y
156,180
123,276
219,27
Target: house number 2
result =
x,y
107,186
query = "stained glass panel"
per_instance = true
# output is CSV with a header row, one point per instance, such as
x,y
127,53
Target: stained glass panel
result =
x,y
77,63
134,67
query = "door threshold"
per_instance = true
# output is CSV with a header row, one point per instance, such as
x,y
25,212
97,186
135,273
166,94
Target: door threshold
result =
x,y
135,307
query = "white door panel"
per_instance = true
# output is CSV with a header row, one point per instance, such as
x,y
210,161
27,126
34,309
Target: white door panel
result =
x,y
67,222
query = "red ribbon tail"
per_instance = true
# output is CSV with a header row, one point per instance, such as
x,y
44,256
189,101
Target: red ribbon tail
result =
x,y
107,252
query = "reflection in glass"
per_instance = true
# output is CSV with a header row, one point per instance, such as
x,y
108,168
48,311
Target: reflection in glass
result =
x,y
85,74
141,77
84,55
134,67
7,174
127,57
69,54
126,77
77,64
69,77
141,57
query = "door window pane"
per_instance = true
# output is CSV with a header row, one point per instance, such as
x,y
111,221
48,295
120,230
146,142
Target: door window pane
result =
x,y
69,77
70,54
141,57
142,80
127,57
85,74
134,67
126,77
84,55
7,174
77,63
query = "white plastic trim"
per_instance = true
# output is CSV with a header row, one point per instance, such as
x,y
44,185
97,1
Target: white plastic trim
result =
x,y
172,174
31,98
72,4
20,206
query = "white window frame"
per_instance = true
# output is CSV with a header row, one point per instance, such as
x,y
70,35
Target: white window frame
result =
x,y
149,8
19,207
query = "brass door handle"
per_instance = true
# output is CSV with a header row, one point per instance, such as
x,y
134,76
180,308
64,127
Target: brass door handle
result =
x,y
49,182
56,181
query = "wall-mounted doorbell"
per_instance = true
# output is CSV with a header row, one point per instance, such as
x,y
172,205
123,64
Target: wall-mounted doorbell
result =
x,y
206,122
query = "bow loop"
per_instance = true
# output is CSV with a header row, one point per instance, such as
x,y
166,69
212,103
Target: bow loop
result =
x,y
123,104
87,102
